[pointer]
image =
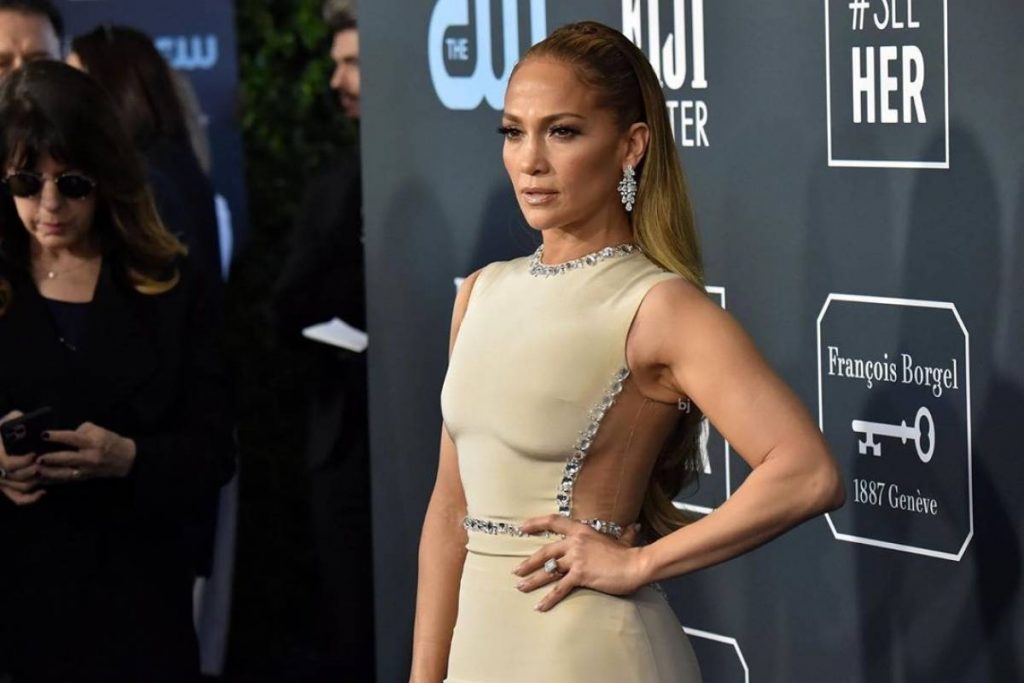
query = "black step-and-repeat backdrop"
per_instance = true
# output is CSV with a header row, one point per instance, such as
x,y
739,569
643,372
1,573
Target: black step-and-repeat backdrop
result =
x,y
858,178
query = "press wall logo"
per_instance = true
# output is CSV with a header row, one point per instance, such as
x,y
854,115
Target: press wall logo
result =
x,y
460,52
675,48
894,405
189,53
887,83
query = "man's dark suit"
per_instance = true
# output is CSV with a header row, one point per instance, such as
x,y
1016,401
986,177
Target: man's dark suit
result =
x,y
323,278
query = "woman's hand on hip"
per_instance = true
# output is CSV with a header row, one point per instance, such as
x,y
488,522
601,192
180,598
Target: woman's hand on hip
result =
x,y
19,474
98,454
584,557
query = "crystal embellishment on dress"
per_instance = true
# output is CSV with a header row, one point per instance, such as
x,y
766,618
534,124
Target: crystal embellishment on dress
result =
x,y
489,527
609,528
539,269
583,443
572,468
486,526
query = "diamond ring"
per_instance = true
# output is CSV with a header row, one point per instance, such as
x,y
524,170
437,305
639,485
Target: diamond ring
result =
x,y
551,566
3,473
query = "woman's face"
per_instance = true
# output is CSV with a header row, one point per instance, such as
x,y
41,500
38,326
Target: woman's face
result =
x,y
51,219
563,152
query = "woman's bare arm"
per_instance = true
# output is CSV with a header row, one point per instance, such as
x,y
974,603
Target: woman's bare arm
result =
x,y
689,346
442,548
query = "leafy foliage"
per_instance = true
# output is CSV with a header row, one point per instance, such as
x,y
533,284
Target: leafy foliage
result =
x,y
290,119
291,125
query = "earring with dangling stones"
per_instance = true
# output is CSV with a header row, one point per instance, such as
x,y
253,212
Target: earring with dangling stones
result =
x,y
627,187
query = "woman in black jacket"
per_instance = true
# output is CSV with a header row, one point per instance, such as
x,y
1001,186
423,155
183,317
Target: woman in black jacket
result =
x,y
104,322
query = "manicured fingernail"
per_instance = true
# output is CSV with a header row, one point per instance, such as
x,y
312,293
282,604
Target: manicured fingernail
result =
x,y
537,607
521,585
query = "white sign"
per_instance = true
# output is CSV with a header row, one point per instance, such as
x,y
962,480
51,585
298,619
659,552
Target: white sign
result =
x,y
887,83
894,405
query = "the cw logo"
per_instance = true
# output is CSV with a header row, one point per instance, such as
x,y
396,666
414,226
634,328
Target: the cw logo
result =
x,y
467,92
189,53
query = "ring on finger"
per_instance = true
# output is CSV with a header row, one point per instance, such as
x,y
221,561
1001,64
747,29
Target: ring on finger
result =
x,y
551,566
3,473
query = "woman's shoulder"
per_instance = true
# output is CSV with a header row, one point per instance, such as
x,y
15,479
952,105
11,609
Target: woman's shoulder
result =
x,y
493,270
473,285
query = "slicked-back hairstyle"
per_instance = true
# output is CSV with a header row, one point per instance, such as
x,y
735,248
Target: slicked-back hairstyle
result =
x,y
662,218
51,109
41,7
340,15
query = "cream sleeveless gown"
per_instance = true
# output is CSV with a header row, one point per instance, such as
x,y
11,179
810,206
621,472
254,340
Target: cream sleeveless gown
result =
x,y
546,419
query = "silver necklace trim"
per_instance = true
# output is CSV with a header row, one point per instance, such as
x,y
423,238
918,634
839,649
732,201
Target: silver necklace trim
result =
x,y
539,269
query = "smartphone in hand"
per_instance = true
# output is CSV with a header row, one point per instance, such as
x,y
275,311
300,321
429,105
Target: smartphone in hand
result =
x,y
24,434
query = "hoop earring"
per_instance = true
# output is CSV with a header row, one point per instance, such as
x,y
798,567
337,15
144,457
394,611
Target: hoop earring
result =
x,y
627,187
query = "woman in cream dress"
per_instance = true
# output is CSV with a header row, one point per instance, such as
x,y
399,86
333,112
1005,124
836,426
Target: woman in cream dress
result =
x,y
571,402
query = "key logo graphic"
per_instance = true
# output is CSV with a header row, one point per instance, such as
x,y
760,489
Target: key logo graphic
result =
x,y
461,54
887,83
870,430
894,405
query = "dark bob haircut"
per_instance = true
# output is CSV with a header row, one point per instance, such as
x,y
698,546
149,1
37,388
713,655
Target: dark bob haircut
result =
x,y
51,109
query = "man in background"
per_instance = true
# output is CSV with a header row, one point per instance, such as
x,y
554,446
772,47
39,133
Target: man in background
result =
x,y
345,54
322,279
29,29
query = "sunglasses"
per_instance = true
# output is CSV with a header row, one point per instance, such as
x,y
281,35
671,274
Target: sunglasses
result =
x,y
72,185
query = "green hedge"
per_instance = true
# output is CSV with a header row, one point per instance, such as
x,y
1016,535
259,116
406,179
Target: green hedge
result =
x,y
291,125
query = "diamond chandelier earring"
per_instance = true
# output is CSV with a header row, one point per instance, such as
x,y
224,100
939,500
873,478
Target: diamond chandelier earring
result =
x,y
627,187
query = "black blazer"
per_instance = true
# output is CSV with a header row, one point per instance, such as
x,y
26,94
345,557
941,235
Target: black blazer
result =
x,y
105,567
322,278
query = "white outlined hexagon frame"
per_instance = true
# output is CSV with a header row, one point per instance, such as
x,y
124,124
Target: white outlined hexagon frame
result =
x,y
713,289
718,638
913,303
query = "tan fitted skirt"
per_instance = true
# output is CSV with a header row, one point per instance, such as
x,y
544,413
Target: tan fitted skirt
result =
x,y
588,636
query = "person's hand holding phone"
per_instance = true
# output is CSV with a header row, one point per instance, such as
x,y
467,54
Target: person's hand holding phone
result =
x,y
92,453
19,474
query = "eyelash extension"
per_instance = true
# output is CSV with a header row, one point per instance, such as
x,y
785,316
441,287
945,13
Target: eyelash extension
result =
x,y
569,130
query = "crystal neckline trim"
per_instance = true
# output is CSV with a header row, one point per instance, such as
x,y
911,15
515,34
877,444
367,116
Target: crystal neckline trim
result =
x,y
539,269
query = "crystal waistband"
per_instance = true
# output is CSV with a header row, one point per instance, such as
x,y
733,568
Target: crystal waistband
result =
x,y
510,529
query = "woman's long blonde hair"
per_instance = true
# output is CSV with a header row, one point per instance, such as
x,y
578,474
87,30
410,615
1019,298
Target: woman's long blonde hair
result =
x,y
662,217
